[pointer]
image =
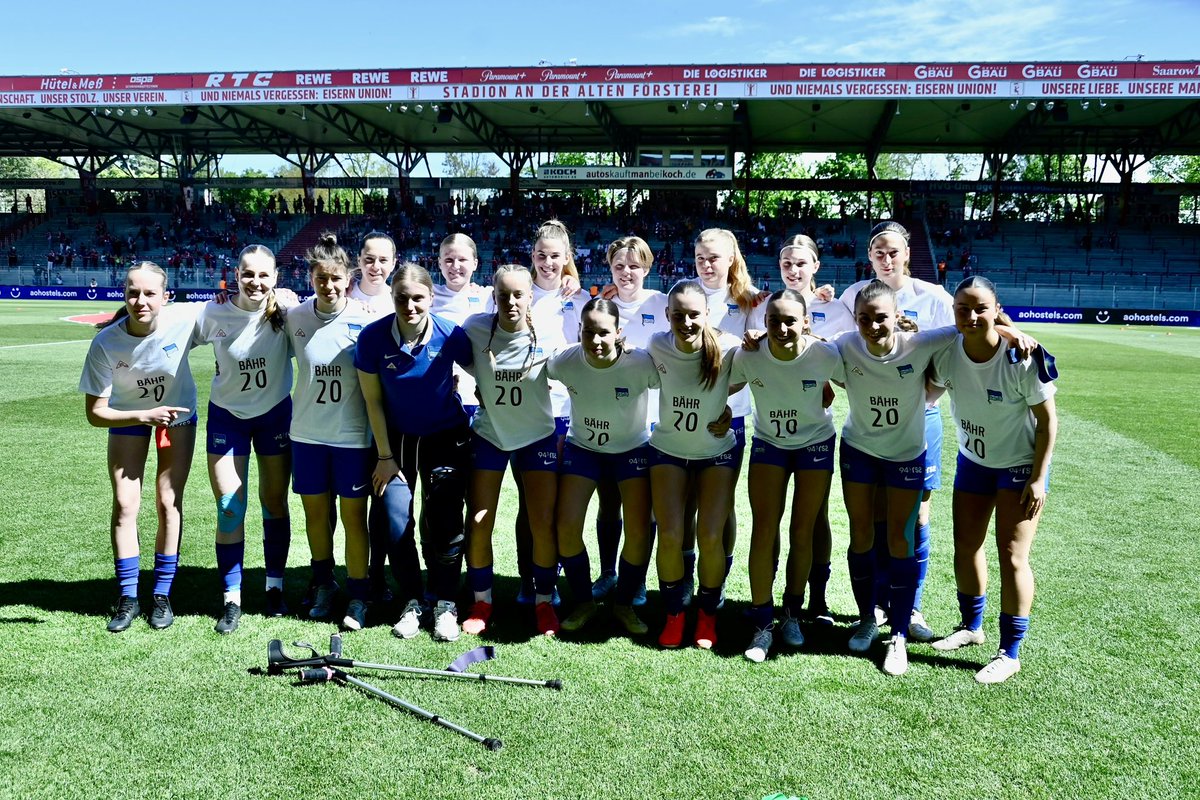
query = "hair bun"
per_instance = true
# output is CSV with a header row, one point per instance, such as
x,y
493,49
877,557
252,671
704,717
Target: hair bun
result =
x,y
328,239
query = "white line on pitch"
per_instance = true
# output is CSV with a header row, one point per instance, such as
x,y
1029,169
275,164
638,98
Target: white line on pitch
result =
x,y
42,344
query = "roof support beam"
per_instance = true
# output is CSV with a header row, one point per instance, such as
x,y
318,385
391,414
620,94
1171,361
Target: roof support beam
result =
x,y
501,142
879,134
623,140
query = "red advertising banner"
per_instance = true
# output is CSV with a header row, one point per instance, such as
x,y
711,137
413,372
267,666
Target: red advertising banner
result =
x,y
1082,80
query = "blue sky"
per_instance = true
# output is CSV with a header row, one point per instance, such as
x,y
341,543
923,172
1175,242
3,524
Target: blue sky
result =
x,y
122,36
119,36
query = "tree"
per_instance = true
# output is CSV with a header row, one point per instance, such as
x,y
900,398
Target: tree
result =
x,y
252,200
771,165
470,165
1179,169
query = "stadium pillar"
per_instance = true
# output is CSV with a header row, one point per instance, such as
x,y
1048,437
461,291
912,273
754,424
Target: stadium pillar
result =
x,y
995,164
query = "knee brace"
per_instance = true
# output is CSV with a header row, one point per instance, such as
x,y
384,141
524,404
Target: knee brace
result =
x,y
231,513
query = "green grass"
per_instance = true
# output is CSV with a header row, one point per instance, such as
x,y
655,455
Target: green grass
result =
x,y
1105,704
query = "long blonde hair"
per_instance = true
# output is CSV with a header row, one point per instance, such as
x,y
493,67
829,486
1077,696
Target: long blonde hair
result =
x,y
710,352
741,289
555,231
502,270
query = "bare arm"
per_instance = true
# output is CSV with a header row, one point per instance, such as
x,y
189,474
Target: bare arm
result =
x,y
1034,494
387,467
101,415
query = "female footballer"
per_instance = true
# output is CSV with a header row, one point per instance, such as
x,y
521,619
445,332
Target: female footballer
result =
x,y
515,424
250,407
1006,421
693,455
929,306
793,435
331,438
405,365
799,262
606,441
137,384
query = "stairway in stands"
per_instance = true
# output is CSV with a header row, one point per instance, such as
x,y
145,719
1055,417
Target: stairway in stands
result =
x,y
920,247
307,236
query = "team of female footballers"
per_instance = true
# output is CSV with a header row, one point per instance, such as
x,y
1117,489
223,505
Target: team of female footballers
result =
x,y
640,399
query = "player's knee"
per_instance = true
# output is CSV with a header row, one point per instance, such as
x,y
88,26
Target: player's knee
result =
x,y
274,511
231,513
451,550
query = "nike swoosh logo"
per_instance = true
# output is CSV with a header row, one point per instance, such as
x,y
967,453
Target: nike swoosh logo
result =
x,y
360,488
547,463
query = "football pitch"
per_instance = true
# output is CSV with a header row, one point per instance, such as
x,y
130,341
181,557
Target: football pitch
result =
x,y
1106,704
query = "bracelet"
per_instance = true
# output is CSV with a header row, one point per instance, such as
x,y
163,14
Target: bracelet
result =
x,y
386,458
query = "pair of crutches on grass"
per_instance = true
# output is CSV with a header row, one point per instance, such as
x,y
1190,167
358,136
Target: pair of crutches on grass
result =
x,y
332,668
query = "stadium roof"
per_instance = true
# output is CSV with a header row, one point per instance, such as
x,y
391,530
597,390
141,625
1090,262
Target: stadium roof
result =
x,y
1148,108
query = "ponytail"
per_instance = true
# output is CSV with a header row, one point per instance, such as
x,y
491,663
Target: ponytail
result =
x,y
710,348
554,230
272,312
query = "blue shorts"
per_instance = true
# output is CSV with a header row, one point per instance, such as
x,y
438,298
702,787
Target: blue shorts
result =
x,y
321,468
541,456
817,456
268,432
729,459
561,424
933,449
859,467
146,430
738,426
595,466
975,479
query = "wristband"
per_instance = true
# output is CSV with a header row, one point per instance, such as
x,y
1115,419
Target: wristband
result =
x,y
386,458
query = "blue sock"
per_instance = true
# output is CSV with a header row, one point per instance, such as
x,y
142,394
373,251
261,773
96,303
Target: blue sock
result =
x,y
480,579
793,604
728,565
578,569
229,564
277,540
689,565
358,588
762,616
164,572
883,559
1012,631
903,588
672,595
708,598
971,607
608,539
921,551
818,579
127,575
862,582
630,578
322,571
544,579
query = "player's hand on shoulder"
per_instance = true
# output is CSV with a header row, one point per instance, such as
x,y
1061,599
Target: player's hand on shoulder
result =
x,y
752,339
